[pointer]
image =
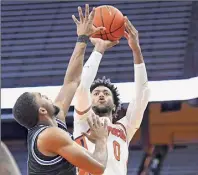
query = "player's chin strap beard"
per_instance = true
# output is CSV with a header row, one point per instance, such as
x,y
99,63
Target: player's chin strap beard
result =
x,y
102,112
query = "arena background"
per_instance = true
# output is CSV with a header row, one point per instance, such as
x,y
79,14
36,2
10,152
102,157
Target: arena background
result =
x,y
38,38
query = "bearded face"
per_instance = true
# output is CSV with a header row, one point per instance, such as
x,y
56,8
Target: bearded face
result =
x,y
102,101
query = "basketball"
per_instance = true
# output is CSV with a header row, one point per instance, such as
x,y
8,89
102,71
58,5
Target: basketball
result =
x,y
110,18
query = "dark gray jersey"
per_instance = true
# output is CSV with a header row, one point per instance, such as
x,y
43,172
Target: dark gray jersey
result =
x,y
40,164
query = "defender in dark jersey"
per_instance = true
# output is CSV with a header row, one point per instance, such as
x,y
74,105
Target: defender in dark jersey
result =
x,y
62,157
51,150
38,163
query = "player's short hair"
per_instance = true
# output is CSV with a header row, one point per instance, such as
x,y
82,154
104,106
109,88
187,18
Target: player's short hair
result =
x,y
26,110
107,83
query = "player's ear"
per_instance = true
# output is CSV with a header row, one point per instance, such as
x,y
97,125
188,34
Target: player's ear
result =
x,y
42,111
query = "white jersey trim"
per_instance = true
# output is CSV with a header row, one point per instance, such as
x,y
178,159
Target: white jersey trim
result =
x,y
61,123
38,160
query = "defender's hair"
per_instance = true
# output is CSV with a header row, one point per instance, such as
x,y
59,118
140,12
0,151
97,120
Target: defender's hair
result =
x,y
26,110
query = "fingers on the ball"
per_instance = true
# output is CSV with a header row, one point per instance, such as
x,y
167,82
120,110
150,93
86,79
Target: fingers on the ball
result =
x,y
75,20
134,31
129,25
133,28
100,29
126,35
86,11
80,14
129,29
126,20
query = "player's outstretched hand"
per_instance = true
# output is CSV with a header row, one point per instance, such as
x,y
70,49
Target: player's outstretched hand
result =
x,y
131,34
98,129
85,22
102,45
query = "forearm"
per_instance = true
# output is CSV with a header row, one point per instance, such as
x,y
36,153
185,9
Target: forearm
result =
x,y
137,55
88,75
71,80
135,112
90,69
140,72
75,65
100,154
137,106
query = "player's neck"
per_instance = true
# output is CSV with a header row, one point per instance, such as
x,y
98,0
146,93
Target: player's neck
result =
x,y
47,121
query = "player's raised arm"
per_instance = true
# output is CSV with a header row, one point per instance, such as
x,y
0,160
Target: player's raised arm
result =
x,y
138,105
83,97
85,29
78,156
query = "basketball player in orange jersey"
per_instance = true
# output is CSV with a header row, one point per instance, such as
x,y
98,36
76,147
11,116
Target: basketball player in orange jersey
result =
x,y
101,97
51,149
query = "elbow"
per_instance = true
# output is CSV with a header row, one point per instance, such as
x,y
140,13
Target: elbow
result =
x,y
78,80
75,81
98,171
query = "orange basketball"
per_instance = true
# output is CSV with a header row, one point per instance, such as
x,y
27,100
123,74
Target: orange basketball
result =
x,y
110,18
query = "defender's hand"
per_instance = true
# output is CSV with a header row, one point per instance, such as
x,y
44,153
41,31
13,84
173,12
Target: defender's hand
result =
x,y
102,45
85,24
131,34
98,129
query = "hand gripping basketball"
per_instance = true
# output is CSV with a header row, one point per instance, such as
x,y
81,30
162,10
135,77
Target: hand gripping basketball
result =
x,y
131,34
112,19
